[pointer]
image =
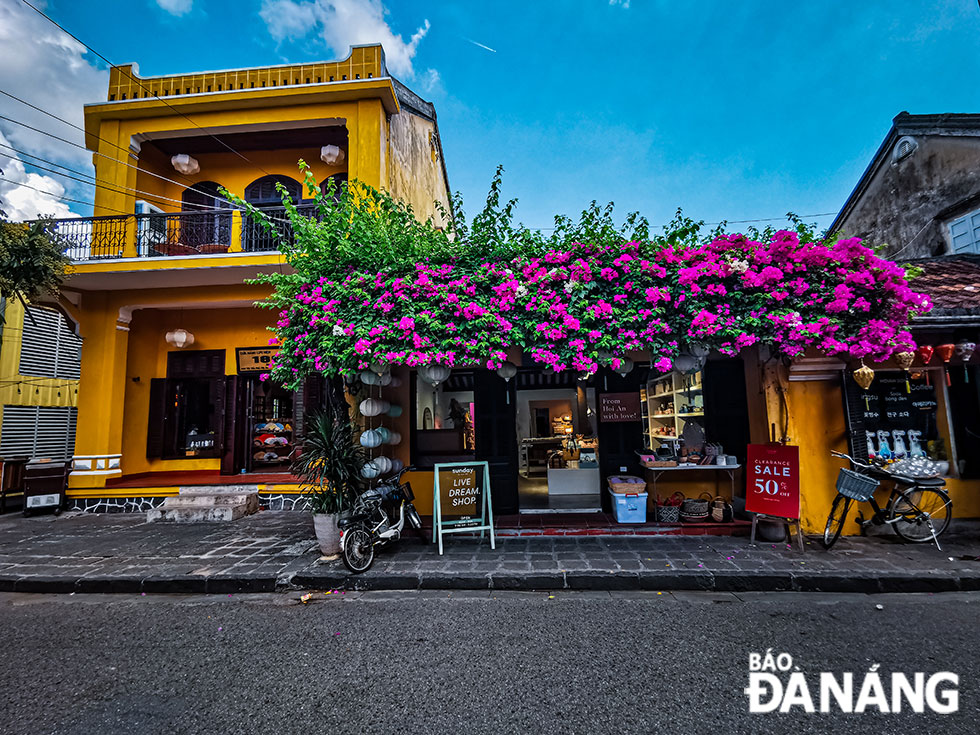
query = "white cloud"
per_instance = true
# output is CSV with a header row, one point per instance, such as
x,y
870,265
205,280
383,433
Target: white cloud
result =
x,y
176,7
624,4
21,203
44,66
341,24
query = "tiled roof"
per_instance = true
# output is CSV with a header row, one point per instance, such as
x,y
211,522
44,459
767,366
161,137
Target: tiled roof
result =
x,y
952,282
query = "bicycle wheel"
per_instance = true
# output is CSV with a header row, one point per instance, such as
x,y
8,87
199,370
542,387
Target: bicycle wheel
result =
x,y
415,521
358,549
835,521
923,513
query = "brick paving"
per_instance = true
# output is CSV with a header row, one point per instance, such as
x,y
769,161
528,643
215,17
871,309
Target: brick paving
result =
x,y
272,550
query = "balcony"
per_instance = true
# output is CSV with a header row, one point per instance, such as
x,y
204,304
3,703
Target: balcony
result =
x,y
174,234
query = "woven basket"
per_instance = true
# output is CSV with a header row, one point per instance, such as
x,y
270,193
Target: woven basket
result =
x,y
668,513
627,488
854,485
695,510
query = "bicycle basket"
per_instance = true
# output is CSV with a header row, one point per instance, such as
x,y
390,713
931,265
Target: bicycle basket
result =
x,y
854,485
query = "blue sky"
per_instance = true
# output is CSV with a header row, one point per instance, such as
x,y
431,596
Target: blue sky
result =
x,y
730,110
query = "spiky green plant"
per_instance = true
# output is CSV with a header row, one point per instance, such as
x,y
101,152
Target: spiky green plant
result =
x,y
330,461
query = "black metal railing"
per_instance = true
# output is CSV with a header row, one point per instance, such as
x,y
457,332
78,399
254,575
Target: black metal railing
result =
x,y
257,238
92,238
183,233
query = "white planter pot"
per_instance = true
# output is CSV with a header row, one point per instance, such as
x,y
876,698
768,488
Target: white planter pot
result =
x,y
327,533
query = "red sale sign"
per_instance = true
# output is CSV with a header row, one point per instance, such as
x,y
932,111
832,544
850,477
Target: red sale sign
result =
x,y
772,482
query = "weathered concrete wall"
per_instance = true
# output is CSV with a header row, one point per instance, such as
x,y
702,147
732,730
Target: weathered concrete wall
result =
x,y
415,172
901,203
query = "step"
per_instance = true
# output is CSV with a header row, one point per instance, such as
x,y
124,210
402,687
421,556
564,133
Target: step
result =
x,y
198,514
218,489
202,500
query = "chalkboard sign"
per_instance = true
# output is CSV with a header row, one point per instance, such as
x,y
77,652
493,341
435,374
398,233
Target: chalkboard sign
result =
x,y
461,500
619,407
898,418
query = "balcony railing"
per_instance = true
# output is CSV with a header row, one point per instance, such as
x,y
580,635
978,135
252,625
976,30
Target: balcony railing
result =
x,y
168,234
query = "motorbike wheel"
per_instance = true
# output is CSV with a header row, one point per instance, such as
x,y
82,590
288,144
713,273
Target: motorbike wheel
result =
x,y
416,522
358,549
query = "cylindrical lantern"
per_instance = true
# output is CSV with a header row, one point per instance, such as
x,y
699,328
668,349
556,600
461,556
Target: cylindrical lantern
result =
x,y
370,470
507,371
945,352
394,438
370,439
622,365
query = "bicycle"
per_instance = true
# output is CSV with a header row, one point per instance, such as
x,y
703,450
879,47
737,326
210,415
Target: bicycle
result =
x,y
918,508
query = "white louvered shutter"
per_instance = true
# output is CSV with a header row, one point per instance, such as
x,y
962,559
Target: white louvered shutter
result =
x,y
38,432
49,346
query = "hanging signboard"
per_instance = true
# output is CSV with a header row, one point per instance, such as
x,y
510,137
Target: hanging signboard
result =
x,y
772,485
619,407
255,359
461,500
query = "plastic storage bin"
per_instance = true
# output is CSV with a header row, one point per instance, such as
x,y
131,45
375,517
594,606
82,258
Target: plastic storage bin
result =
x,y
629,508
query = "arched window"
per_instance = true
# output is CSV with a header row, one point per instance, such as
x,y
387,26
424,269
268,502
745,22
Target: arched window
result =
x,y
263,191
201,228
339,183
203,195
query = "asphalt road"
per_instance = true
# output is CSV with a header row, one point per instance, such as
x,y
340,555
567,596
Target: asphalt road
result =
x,y
463,662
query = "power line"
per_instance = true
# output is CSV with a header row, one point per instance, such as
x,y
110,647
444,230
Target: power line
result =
x,y
726,222
95,153
62,198
115,188
143,87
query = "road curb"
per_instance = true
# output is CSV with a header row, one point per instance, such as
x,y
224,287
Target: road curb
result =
x,y
545,580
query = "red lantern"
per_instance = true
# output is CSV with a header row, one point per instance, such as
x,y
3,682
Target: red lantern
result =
x,y
924,353
945,353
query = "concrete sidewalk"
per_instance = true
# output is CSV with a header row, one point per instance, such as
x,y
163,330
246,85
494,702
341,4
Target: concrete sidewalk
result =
x,y
277,551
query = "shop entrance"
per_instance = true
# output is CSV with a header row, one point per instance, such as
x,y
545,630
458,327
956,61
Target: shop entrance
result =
x,y
269,441
558,469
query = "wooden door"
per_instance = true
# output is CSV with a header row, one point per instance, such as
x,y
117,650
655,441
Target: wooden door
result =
x,y
495,425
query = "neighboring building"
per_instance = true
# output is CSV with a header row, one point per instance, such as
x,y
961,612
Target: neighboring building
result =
x,y
920,195
919,199
165,257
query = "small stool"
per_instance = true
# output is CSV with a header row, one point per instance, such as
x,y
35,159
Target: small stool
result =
x,y
788,522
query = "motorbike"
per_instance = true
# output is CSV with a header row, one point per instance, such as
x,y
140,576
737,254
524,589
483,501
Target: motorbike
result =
x,y
377,519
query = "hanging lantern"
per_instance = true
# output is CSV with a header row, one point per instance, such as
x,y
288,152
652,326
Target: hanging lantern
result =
x,y
394,438
395,382
383,433
394,410
964,351
507,371
924,353
699,351
396,465
863,377
945,352
378,368
434,374
369,378
180,338
905,360
383,463
370,407
370,470
622,365
384,379
370,439
603,357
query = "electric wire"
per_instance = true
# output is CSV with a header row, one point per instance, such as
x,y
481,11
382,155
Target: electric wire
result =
x,y
97,153
144,88
62,198
96,182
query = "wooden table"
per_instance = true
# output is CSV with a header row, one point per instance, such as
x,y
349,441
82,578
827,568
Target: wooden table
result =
x,y
729,469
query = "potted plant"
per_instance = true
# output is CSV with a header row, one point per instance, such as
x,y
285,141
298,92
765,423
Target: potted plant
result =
x,y
329,465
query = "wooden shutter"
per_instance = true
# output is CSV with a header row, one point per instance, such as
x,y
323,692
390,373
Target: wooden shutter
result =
x,y
857,440
196,364
157,417
217,406
230,438
495,426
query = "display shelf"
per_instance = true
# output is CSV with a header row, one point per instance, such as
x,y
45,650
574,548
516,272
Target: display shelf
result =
x,y
671,391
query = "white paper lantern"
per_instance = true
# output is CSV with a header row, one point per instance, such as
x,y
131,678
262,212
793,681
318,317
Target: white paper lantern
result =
x,y
383,463
394,410
507,371
180,338
396,382
370,470
434,374
625,365
383,433
185,164
378,368
396,465
369,378
373,406
384,379
370,439
394,438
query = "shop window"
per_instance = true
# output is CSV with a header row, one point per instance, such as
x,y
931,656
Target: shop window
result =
x,y
893,418
444,420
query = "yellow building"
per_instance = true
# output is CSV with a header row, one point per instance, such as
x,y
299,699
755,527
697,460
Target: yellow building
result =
x,y
172,344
